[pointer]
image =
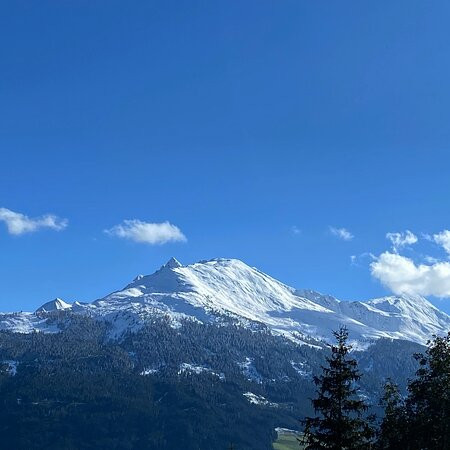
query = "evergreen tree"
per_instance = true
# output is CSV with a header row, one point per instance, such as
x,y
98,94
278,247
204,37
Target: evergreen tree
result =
x,y
428,402
339,424
422,420
393,429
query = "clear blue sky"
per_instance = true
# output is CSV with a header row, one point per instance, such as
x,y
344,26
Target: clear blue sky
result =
x,y
235,121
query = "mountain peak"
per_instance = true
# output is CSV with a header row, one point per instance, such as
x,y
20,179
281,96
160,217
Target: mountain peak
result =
x,y
173,263
54,305
224,287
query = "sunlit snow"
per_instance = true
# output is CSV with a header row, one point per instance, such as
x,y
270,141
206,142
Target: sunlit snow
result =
x,y
207,290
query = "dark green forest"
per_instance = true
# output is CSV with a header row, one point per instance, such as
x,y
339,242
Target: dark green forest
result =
x,y
80,389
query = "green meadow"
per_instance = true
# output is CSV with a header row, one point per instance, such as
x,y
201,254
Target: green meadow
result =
x,y
287,441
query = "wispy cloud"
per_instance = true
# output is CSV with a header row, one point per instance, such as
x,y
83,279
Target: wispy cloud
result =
x,y
430,259
357,260
443,239
296,230
403,276
402,239
146,232
341,233
18,223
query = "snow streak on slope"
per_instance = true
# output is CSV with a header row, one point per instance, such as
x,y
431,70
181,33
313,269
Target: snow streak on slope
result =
x,y
207,290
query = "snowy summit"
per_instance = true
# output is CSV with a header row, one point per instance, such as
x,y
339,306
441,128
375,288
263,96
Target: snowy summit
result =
x,y
208,290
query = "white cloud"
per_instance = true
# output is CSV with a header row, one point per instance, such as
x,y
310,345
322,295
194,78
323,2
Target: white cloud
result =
x,y
18,223
401,239
342,233
443,239
149,233
401,275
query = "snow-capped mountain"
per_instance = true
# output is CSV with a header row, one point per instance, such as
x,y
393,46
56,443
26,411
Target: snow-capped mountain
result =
x,y
54,305
209,290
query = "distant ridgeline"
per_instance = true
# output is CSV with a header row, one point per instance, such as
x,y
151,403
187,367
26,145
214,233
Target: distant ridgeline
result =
x,y
209,291
191,357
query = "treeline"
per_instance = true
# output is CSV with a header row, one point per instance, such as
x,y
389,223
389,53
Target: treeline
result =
x,y
419,420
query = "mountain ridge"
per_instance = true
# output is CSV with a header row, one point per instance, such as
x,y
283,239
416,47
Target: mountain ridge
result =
x,y
207,290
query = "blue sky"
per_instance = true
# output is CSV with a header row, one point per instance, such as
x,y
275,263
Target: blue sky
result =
x,y
252,127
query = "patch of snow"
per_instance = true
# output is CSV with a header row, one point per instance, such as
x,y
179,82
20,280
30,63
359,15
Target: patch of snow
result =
x,y
26,322
255,399
192,368
149,372
301,368
249,370
281,431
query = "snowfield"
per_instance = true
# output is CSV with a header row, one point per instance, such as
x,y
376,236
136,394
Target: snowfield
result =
x,y
208,290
